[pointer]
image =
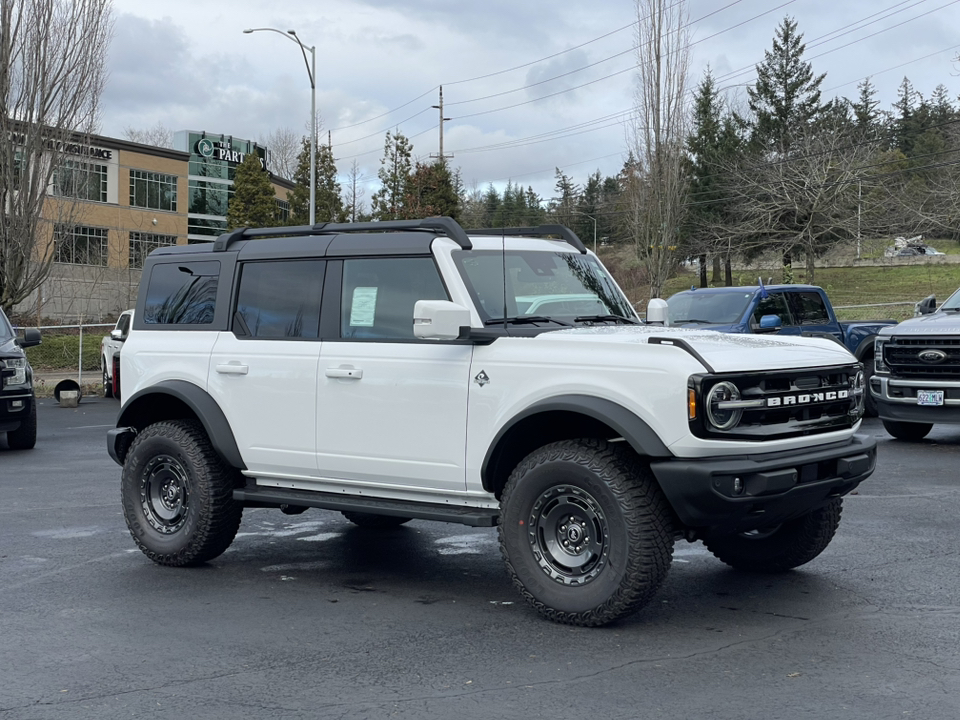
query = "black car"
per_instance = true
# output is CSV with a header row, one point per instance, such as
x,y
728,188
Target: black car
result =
x,y
18,404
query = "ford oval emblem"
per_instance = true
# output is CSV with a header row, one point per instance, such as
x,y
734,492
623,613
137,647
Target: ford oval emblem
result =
x,y
932,356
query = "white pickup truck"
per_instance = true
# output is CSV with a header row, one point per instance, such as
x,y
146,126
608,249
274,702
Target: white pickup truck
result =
x,y
110,354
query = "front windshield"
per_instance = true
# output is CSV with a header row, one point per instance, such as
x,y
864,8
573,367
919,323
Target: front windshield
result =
x,y
704,308
6,332
568,287
952,302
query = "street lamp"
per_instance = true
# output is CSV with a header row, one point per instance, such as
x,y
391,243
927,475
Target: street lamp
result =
x,y
577,212
312,73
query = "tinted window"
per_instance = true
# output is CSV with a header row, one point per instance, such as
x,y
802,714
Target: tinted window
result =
x,y
279,299
772,305
124,325
182,294
379,295
808,308
705,307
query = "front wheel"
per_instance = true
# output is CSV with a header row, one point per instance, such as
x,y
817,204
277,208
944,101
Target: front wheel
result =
x,y
585,531
25,436
107,382
908,431
783,547
177,495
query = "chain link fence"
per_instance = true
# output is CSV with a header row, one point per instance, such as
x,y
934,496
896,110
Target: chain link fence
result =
x,y
68,351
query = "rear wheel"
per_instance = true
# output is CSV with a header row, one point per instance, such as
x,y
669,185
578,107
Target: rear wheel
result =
x,y
908,431
107,382
177,495
585,531
782,547
372,520
25,436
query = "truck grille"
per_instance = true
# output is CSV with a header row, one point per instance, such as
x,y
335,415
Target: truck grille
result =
x,y
903,355
781,404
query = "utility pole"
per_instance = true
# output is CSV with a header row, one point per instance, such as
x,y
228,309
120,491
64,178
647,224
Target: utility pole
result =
x,y
440,155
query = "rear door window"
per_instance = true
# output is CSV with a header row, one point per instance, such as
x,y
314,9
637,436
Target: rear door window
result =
x,y
808,308
279,299
183,293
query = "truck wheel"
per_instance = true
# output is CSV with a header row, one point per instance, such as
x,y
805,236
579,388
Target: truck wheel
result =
x,y
585,531
869,402
177,495
372,520
25,436
908,431
783,547
107,382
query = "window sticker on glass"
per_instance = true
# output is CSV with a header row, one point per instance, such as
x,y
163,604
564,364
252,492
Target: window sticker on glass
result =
x,y
364,307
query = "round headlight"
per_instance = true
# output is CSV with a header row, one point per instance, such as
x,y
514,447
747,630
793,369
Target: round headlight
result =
x,y
723,418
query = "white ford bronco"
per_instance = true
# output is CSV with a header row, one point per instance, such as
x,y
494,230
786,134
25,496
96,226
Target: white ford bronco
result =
x,y
412,369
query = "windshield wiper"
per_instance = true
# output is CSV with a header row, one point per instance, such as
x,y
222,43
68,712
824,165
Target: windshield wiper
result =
x,y
607,318
692,320
526,320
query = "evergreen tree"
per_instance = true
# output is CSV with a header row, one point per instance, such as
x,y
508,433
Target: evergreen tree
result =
x,y
431,192
253,203
786,97
329,203
395,170
865,108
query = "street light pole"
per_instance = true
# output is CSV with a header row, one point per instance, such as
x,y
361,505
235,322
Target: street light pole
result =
x,y
312,73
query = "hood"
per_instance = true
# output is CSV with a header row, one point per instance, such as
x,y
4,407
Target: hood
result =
x,y
938,323
723,352
9,347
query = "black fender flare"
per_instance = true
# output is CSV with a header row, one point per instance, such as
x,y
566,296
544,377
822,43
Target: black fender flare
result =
x,y
865,346
136,413
625,423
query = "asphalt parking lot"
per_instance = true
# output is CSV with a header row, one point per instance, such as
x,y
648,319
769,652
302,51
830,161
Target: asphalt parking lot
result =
x,y
309,617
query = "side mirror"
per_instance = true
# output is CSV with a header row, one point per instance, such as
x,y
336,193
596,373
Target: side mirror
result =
x,y
439,319
769,323
116,334
31,337
657,312
926,306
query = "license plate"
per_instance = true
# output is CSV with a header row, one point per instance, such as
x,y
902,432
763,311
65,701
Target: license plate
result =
x,y
929,397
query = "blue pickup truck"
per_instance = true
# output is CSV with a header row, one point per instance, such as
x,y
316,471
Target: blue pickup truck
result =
x,y
784,309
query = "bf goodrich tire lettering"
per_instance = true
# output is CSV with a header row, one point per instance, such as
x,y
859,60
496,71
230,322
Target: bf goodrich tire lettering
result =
x,y
585,532
178,495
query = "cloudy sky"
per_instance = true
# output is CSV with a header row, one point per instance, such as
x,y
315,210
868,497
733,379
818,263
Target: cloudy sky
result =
x,y
529,85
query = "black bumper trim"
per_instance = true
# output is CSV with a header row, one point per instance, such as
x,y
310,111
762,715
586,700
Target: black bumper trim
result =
x,y
736,494
118,442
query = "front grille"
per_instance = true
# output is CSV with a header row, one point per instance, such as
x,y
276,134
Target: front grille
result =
x,y
903,356
785,403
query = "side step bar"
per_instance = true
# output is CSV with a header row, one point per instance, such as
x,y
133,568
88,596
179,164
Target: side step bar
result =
x,y
275,497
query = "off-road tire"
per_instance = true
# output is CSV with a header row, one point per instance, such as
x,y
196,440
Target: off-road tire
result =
x,y
907,431
789,545
107,382
177,495
617,509
374,521
25,436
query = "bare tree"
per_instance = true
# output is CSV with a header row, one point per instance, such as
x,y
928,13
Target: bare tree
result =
x,y
284,146
354,191
157,136
52,72
655,179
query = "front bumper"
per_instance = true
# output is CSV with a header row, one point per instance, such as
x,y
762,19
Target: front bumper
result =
x,y
721,495
896,400
15,407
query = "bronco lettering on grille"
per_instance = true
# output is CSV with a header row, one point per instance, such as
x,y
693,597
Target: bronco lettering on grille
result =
x,y
808,398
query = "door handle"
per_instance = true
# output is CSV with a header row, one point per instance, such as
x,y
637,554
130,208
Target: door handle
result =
x,y
232,369
345,372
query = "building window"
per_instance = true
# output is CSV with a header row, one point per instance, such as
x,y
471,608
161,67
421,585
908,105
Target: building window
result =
x,y
80,245
283,211
142,244
153,190
81,180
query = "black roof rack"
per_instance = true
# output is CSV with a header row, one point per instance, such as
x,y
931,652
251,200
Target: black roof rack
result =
x,y
442,225
562,230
